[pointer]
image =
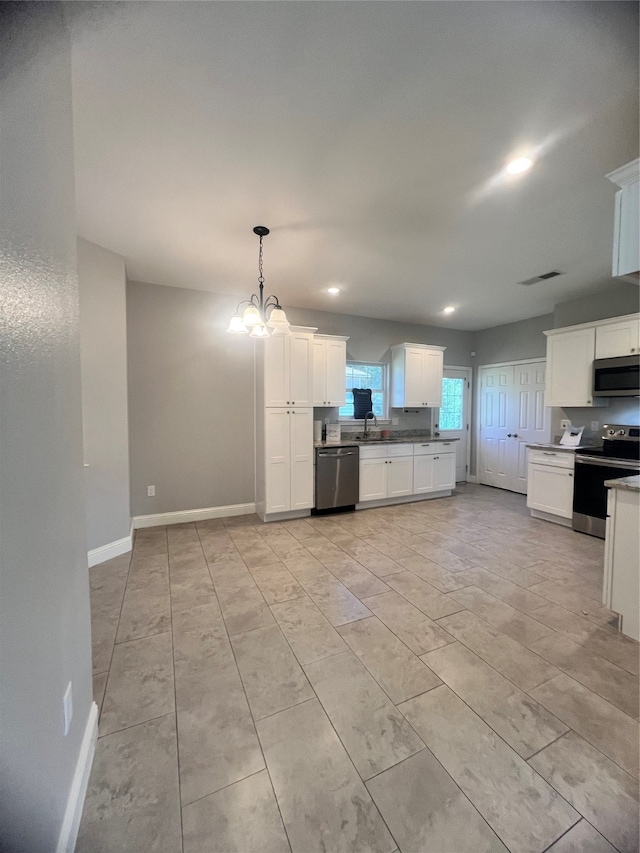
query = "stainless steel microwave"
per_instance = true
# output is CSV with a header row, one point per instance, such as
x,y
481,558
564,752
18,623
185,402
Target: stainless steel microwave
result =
x,y
617,377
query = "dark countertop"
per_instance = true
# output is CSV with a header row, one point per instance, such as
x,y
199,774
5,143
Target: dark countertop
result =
x,y
559,447
374,442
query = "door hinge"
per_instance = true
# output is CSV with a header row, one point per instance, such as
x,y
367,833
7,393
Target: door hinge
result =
x,y
466,468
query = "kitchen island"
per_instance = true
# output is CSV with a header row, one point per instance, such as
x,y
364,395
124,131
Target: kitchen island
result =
x,y
621,586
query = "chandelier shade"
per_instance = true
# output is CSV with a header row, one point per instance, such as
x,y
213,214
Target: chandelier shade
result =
x,y
258,316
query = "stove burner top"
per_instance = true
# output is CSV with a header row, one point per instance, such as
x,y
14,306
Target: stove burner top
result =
x,y
619,442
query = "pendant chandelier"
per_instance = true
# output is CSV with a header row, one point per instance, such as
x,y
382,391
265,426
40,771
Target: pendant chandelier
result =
x,y
261,317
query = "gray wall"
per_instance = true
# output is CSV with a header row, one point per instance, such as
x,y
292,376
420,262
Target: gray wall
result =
x,y
191,391
44,610
103,348
371,339
614,300
191,401
513,341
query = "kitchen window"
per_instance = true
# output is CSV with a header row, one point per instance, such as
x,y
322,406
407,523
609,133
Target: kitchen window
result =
x,y
361,374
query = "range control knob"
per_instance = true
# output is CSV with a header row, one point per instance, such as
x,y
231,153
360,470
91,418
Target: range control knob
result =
x,y
611,432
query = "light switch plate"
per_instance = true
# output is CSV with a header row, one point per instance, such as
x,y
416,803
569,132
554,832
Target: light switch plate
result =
x,y
595,426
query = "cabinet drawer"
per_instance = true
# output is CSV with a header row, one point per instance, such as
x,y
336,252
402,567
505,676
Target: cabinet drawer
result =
x,y
428,448
557,459
400,450
380,452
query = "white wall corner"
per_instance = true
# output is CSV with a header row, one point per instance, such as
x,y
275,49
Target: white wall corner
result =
x,y
111,550
472,478
75,802
190,515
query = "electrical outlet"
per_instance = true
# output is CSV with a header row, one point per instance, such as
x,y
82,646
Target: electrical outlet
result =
x,y
595,426
565,423
151,491
67,709
395,421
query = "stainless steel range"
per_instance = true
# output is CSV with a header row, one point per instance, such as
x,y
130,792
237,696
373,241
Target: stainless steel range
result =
x,y
618,456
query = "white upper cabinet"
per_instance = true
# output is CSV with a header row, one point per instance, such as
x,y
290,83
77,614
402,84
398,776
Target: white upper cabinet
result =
x,y
626,229
621,337
569,368
416,376
329,370
288,369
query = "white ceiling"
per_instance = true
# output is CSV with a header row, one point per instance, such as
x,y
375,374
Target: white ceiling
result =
x,y
369,137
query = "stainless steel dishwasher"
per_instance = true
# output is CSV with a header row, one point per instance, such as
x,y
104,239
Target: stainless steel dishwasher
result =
x,y
337,478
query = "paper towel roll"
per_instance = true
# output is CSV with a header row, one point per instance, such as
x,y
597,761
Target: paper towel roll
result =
x,y
317,430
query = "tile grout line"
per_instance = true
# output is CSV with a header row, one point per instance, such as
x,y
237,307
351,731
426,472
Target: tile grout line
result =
x,y
115,636
175,693
255,729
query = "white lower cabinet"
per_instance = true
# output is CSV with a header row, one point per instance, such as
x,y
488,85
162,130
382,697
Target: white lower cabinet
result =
x,y
288,459
373,479
393,471
621,587
550,485
433,469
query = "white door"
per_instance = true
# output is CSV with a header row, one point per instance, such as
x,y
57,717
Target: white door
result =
x,y
399,476
512,415
615,339
413,384
496,403
301,369
454,415
301,425
373,479
336,360
531,419
276,371
319,372
422,474
432,377
277,460
444,471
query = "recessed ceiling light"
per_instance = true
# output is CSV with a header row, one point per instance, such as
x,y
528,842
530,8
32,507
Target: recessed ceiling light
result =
x,y
448,310
333,290
519,165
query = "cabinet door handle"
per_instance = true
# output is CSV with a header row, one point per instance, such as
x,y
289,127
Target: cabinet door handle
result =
x,y
570,474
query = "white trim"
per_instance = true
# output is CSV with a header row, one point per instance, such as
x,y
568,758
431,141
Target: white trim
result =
x,y
405,499
75,802
548,516
285,516
516,361
472,478
161,518
594,324
468,371
109,551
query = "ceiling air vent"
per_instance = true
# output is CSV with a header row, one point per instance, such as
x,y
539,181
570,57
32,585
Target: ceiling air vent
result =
x,y
538,278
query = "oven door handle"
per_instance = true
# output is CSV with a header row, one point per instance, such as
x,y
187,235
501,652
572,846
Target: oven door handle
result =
x,y
629,464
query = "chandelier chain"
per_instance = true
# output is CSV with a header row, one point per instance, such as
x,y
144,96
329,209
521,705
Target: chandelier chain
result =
x,y
260,276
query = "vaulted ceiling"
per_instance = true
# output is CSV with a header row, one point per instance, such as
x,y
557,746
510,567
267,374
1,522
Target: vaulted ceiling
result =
x,y
370,137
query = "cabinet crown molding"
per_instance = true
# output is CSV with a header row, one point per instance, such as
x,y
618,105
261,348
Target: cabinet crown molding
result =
x,y
422,346
626,174
593,324
331,337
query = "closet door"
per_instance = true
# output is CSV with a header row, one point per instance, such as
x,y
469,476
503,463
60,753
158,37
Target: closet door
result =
x,y
512,415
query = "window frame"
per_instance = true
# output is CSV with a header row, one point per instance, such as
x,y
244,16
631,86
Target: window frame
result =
x,y
385,391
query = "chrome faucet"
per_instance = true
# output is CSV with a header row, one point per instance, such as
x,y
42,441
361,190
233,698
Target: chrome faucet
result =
x,y
366,418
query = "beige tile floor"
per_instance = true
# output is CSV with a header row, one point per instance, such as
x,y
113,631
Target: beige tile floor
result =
x,y
438,676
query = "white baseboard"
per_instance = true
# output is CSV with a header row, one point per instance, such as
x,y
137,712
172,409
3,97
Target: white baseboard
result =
x,y
75,802
187,515
109,551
